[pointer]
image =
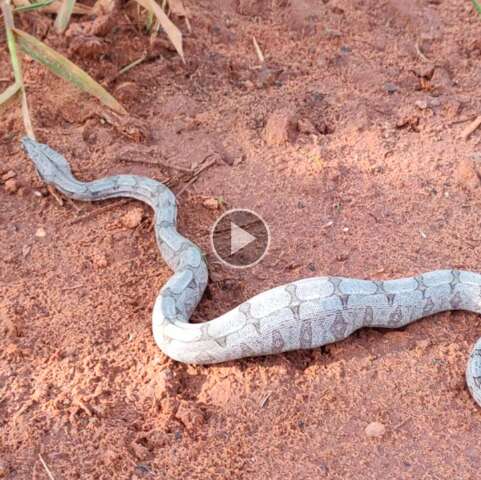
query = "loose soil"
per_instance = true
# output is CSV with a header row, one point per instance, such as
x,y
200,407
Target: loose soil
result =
x,y
347,141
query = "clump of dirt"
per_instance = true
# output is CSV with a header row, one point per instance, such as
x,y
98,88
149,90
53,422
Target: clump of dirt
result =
x,y
348,141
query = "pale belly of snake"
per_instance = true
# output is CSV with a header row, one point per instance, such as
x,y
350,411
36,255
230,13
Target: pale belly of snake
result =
x,y
306,313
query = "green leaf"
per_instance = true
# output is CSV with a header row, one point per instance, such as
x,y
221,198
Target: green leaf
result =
x,y
7,94
32,6
477,6
149,21
65,69
64,14
174,34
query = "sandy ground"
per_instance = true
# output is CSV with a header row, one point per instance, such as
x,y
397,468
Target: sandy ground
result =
x,y
348,142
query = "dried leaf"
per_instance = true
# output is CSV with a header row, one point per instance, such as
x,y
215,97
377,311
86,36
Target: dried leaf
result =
x,y
64,14
104,6
177,8
174,34
6,95
65,69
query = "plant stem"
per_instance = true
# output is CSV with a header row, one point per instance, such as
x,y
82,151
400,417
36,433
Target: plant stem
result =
x,y
16,64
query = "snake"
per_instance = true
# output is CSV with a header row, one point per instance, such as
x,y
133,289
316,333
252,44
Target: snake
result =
x,y
303,314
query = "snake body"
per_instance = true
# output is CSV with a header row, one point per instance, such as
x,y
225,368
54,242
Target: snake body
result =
x,y
303,314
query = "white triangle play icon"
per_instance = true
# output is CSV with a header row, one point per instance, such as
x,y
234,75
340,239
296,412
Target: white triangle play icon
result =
x,y
239,238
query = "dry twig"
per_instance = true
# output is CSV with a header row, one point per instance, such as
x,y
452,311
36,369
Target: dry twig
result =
x,y
45,466
97,211
204,165
476,123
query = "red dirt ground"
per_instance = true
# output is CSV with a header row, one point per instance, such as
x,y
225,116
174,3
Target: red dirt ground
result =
x,y
348,142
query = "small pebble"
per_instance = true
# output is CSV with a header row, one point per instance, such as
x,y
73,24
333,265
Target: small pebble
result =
x,y
40,233
276,131
421,104
211,203
305,126
132,218
375,429
100,261
4,470
468,173
390,87
11,186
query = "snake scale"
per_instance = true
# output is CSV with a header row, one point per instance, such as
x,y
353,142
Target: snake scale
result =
x,y
306,313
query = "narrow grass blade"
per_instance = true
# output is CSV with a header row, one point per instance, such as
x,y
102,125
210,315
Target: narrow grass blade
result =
x,y
12,46
174,34
65,69
477,6
131,65
64,14
10,92
16,64
149,21
103,6
27,120
78,9
32,6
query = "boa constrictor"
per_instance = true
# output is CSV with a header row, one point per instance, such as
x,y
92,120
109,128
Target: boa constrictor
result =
x,y
307,313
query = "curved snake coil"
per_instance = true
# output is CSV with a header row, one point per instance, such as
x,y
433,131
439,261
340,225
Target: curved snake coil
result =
x,y
304,314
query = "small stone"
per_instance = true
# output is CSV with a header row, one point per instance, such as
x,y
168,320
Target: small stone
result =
x,y
126,91
11,185
421,104
305,126
4,470
100,261
249,85
190,415
390,87
40,233
7,176
211,203
40,193
441,81
140,451
375,430
468,173
276,131
132,218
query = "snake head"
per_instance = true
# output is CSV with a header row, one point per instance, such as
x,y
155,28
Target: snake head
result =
x,y
49,163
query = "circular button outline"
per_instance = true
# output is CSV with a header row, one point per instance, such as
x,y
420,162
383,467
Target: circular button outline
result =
x,y
232,210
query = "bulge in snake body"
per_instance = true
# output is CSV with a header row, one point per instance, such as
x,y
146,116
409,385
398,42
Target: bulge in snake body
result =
x,y
307,313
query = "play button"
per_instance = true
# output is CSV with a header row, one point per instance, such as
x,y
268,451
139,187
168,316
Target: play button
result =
x,y
240,238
